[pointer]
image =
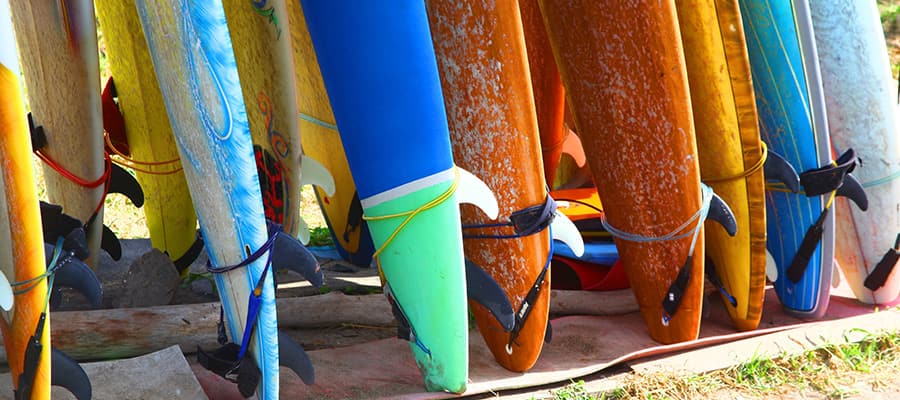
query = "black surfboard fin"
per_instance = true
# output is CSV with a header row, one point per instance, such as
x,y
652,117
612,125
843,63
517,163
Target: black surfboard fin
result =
x,y
291,355
189,256
120,181
288,253
55,223
110,242
853,190
778,169
484,290
721,213
75,274
65,372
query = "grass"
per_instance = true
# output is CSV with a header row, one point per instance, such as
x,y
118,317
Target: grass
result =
x,y
832,371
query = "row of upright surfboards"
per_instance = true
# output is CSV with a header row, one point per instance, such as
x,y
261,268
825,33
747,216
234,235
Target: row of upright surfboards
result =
x,y
409,110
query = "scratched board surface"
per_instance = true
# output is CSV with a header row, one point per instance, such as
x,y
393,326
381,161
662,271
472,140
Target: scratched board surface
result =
x,y
639,135
494,131
783,103
63,79
860,95
192,55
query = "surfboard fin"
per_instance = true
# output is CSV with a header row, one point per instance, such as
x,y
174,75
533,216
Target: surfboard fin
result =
x,y
312,172
483,289
73,273
68,374
55,223
565,231
474,191
853,190
572,146
7,298
189,256
289,254
291,355
120,181
548,334
110,242
721,213
778,169
303,234
771,267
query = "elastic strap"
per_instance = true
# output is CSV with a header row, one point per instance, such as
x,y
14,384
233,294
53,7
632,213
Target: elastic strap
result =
x,y
752,170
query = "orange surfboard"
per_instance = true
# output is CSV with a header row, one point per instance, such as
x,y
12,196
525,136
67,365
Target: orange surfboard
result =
x,y
549,95
494,132
624,72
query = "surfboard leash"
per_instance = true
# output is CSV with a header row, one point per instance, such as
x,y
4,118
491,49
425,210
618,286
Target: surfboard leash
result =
x,y
228,360
525,222
675,293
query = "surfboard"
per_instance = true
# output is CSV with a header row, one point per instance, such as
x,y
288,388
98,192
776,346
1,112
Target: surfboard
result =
x,y
793,123
647,176
261,34
153,155
321,141
729,149
21,238
859,95
549,95
62,75
379,69
197,74
496,137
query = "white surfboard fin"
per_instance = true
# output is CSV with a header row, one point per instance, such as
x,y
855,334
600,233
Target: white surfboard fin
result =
x,y
771,267
312,172
474,191
302,230
6,294
565,231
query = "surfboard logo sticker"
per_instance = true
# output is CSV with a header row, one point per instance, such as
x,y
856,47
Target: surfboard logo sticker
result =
x,y
272,170
264,9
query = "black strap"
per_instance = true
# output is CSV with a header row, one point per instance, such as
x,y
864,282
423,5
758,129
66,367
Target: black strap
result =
x,y
30,364
828,178
676,290
801,260
883,269
526,306
533,219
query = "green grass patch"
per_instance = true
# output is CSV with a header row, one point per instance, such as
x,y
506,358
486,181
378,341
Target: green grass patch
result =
x,y
320,236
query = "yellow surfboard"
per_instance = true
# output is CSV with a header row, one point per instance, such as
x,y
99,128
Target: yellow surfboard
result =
x,y
729,148
321,141
170,214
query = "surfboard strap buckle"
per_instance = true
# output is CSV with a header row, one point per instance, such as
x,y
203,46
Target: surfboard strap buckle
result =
x,y
829,178
883,269
525,222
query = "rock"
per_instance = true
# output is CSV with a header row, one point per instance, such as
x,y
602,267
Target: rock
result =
x,y
151,280
203,287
